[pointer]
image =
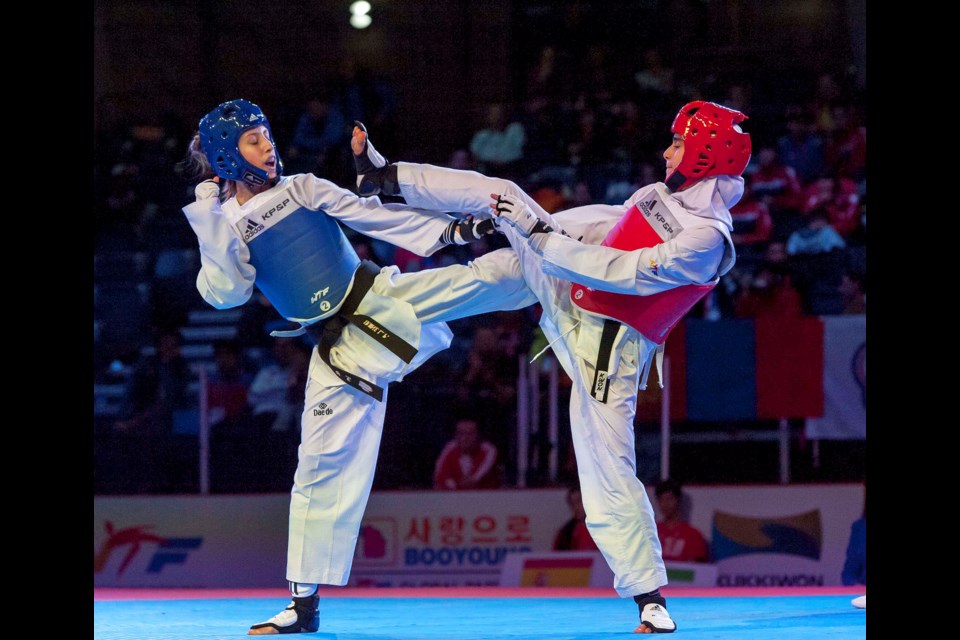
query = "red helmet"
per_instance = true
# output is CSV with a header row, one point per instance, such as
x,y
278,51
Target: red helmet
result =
x,y
713,144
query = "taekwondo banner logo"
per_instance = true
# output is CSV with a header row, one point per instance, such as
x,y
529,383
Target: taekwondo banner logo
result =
x,y
377,543
130,542
799,535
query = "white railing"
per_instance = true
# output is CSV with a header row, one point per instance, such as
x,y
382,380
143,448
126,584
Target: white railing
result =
x,y
203,433
529,393
530,389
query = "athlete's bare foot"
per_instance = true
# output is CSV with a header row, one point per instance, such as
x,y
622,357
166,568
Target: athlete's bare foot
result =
x,y
358,140
374,174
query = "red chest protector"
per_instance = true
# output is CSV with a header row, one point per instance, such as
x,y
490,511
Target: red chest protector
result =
x,y
645,224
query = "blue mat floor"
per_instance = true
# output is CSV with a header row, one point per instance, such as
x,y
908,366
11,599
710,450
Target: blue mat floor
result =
x,y
722,618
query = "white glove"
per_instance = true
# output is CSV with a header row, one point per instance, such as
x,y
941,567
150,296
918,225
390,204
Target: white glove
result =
x,y
206,190
512,210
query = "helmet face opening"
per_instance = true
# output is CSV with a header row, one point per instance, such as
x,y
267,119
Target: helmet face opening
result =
x,y
220,132
713,143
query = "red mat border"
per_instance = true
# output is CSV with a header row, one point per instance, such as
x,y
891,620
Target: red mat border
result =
x,y
116,593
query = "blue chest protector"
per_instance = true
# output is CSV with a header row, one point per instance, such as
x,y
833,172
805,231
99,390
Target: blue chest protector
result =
x,y
304,262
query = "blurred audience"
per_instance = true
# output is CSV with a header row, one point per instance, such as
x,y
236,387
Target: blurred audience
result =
x,y
838,198
816,236
158,387
468,461
855,562
566,145
853,287
321,128
775,183
681,541
800,147
498,145
276,394
228,384
752,223
159,403
846,153
489,383
573,535
768,293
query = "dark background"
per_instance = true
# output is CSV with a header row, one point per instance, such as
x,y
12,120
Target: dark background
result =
x,y
447,60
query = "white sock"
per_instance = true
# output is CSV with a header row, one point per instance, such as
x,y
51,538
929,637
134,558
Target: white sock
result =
x,y
302,590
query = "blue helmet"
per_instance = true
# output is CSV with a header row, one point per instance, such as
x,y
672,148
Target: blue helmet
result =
x,y
219,134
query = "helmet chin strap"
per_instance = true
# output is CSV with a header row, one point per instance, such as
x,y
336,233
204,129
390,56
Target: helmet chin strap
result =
x,y
254,182
675,180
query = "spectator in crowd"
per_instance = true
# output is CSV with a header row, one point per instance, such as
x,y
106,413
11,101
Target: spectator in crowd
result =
x,y
543,80
489,384
740,97
853,288
846,151
573,535
855,563
158,388
468,461
817,258
407,261
680,541
826,96
838,197
318,132
800,147
542,146
276,393
752,223
364,248
816,236
549,195
498,145
117,219
655,78
776,184
367,96
228,384
769,291
589,146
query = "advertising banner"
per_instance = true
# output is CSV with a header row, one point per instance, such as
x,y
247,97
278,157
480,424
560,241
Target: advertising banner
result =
x,y
759,536
421,539
407,538
777,536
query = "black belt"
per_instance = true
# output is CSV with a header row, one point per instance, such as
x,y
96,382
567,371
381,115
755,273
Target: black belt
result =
x,y
327,332
600,379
